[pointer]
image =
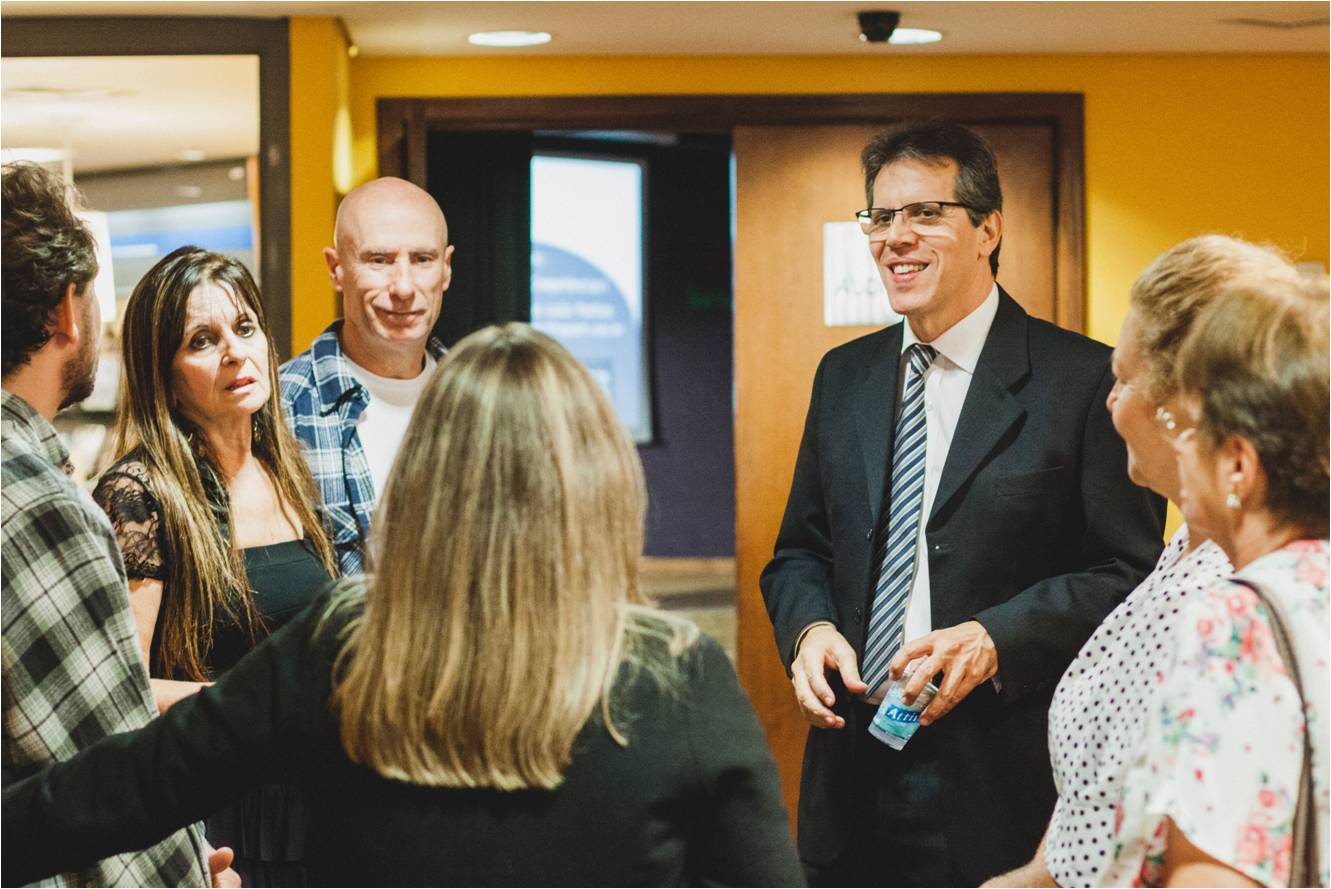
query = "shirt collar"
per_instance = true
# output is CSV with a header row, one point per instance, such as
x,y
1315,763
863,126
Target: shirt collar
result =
x,y
22,419
331,368
961,343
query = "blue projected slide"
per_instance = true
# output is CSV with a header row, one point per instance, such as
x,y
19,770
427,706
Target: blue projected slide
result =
x,y
587,272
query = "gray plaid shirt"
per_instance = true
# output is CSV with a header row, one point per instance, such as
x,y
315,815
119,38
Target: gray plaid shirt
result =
x,y
72,668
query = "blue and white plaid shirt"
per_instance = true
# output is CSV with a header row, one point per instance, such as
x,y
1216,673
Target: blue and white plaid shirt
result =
x,y
323,402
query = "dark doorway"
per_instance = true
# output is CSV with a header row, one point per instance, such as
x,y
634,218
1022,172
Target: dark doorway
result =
x,y
483,182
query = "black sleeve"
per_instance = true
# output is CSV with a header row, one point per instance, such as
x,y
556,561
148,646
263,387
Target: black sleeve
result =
x,y
797,582
1039,631
137,519
742,835
130,790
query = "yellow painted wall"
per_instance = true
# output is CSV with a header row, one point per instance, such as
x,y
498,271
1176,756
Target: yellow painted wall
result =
x,y
1175,145
320,167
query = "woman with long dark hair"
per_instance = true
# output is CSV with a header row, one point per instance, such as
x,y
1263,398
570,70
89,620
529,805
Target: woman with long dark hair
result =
x,y
213,507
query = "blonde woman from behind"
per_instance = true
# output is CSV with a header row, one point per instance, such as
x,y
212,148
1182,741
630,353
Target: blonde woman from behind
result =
x,y
496,704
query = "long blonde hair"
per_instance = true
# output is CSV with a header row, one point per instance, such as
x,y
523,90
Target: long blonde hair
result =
x,y
504,591
205,572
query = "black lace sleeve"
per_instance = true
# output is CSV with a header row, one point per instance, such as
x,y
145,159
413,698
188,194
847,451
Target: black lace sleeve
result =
x,y
123,495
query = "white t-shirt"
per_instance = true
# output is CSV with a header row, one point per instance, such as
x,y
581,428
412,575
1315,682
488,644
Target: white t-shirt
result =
x,y
383,424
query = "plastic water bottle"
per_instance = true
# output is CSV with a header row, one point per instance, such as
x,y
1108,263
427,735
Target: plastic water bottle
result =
x,y
896,721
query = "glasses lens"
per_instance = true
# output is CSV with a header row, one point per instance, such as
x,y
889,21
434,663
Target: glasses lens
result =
x,y
875,221
923,215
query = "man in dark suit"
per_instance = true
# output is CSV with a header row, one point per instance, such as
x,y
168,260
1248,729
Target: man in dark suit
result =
x,y
961,502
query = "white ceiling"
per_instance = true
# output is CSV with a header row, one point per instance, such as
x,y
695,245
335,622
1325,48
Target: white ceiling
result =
x,y
135,111
441,28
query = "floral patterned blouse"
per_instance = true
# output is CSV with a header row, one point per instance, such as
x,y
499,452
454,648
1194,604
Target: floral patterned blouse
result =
x,y
1100,710
1221,755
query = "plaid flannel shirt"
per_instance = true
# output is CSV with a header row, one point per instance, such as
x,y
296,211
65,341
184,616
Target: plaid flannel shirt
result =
x,y
72,668
323,402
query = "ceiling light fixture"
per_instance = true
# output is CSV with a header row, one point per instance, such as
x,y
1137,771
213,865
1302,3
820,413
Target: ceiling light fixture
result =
x,y
191,155
353,49
914,36
509,39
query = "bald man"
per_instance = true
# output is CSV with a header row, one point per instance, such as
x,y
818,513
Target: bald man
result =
x,y
349,396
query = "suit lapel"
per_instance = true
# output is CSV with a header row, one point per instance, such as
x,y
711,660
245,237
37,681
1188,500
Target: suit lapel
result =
x,y
990,410
876,396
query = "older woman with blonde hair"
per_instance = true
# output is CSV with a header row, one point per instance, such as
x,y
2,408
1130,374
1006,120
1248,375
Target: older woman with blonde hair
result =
x,y
1105,700
494,703
1231,788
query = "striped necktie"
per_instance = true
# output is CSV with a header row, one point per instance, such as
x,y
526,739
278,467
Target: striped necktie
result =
x,y
897,535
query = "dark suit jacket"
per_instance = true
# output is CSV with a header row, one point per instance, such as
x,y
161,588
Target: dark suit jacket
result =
x,y
1036,532
693,798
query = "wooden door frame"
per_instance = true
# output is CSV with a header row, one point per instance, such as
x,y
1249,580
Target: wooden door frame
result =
x,y
44,36
404,122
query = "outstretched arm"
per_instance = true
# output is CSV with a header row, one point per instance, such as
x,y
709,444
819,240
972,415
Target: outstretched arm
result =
x,y
130,790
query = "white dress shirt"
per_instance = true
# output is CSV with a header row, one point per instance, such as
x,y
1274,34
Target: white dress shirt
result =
x,y
946,383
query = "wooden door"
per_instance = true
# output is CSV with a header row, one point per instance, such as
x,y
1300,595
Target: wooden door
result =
x,y
789,181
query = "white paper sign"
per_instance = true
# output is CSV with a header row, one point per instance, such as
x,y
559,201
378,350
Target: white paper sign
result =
x,y
853,293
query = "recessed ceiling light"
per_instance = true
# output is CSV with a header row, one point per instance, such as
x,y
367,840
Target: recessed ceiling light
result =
x,y
509,38
912,36
189,191
191,155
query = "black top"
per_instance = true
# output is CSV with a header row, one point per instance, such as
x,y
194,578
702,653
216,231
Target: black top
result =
x,y
694,797
283,577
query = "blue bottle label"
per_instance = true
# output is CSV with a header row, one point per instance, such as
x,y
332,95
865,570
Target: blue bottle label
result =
x,y
899,714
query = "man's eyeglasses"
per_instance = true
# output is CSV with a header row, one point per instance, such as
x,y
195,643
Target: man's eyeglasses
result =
x,y
920,216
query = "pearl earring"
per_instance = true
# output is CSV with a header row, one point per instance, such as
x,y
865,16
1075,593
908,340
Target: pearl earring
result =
x,y
1232,498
